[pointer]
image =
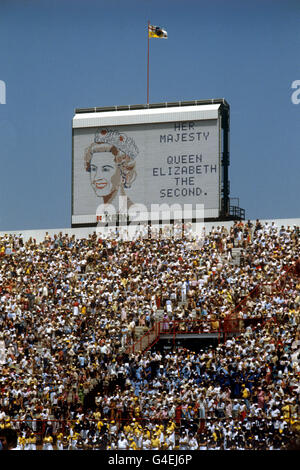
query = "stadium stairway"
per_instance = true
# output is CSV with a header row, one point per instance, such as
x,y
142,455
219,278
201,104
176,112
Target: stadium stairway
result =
x,y
144,341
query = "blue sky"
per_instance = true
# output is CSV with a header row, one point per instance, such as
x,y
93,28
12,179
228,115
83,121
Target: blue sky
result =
x,y
58,55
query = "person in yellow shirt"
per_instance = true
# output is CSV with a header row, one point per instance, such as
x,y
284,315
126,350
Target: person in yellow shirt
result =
x,y
286,410
132,444
7,423
99,425
171,426
155,442
157,430
246,395
171,438
21,443
59,441
75,439
127,428
296,425
72,439
137,411
147,432
32,442
48,443
214,323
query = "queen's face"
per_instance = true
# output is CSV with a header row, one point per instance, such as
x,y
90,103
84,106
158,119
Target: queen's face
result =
x,y
104,173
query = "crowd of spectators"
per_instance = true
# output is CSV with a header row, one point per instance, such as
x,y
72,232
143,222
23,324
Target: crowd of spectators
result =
x,y
69,312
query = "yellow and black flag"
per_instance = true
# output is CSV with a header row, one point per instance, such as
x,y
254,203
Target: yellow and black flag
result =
x,y
157,32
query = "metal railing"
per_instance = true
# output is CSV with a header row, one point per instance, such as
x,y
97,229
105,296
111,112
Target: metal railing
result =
x,y
220,328
53,427
237,212
147,340
232,324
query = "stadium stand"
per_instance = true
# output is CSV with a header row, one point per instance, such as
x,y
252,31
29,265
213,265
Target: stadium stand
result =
x,y
84,322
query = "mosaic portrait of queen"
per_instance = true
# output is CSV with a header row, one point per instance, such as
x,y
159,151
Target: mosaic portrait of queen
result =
x,y
110,162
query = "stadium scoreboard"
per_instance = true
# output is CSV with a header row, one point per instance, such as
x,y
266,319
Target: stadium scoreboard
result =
x,y
157,155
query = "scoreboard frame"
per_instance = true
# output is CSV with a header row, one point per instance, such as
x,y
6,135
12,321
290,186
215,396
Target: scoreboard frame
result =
x,y
111,115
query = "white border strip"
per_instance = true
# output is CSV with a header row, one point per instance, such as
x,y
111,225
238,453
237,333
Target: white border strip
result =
x,y
149,116
92,219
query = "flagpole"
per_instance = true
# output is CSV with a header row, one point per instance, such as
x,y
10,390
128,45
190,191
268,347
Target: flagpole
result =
x,y
148,64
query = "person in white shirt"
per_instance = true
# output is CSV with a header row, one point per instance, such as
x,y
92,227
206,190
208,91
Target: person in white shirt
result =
x,y
146,443
122,443
193,443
